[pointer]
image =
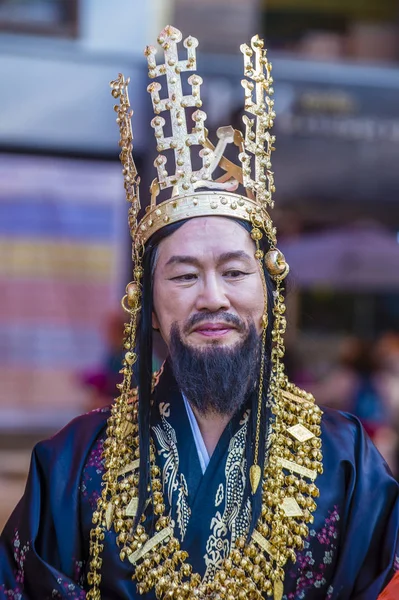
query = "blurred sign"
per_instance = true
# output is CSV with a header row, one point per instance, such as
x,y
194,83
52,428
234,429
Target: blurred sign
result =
x,y
337,126
63,247
364,8
220,25
40,17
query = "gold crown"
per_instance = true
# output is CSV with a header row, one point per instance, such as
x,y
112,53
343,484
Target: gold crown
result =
x,y
188,198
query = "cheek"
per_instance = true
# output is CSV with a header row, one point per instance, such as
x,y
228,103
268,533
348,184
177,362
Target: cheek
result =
x,y
171,305
252,303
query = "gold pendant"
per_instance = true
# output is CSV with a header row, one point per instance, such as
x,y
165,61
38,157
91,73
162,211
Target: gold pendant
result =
x,y
278,589
254,477
109,512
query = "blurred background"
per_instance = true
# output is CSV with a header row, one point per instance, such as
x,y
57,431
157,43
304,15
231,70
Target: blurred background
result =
x,y
64,239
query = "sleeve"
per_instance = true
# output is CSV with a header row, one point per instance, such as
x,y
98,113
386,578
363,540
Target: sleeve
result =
x,y
369,543
42,553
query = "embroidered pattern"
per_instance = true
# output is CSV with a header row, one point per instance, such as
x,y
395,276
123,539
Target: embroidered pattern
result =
x,y
236,518
219,495
94,466
182,508
69,590
314,575
20,553
166,438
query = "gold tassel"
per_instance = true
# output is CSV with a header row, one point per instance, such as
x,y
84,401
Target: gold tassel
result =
x,y
278,589
255,471
254,477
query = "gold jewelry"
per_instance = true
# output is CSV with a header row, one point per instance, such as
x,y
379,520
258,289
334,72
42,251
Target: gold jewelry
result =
x,y
251,569
186,200
255,470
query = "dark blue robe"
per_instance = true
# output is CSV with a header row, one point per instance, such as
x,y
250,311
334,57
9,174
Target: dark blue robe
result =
x,y
352,548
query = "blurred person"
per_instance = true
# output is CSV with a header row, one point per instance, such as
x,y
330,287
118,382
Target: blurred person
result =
x,y
101,382
387,357
356,385
217,477
352,384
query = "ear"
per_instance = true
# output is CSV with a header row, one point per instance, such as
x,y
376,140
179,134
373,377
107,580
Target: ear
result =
x,y
155,322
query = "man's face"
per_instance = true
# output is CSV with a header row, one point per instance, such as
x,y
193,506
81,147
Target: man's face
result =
x,y
207,284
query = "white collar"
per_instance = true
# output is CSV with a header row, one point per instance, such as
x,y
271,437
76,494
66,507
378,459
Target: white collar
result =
x,y
199,440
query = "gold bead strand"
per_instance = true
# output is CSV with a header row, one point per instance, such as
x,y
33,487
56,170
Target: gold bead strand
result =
x,y
115,453
255,471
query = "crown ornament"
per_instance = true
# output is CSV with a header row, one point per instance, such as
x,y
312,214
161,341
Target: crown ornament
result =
x,y
179,191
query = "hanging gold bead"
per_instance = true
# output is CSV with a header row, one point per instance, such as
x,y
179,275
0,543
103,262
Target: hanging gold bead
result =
x,y
132,292
276,264
138,273
259,254
130,358
256,234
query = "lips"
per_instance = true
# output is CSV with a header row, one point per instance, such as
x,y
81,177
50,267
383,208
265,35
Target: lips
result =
x,y
213,329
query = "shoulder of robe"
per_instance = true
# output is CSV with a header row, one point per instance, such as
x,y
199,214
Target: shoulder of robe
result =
x,y
335,424
338,420
76,438
344,434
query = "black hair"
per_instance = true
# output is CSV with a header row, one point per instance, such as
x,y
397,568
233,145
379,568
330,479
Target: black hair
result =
x,y
144,378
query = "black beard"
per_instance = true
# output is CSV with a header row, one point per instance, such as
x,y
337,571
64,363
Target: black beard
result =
x,y
216,379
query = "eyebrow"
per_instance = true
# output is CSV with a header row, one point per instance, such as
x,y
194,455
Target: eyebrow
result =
x,y
192,260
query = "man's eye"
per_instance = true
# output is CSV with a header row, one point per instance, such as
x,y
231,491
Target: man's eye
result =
x,y
235,273
185,277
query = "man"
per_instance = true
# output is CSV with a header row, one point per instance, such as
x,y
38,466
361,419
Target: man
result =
x,y
217,478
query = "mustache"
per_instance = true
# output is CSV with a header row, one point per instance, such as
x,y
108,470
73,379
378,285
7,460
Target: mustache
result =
x,y
206,317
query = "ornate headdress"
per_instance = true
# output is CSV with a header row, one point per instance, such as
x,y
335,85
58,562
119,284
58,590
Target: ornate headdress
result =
x,y
294,454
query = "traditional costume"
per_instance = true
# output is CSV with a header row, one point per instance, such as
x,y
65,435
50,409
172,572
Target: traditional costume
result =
x,y
329,513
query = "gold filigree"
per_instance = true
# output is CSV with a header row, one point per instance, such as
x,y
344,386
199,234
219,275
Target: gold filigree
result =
x,y
201,204
131,509
184,179
258,143
293,467
279,532
300,433
131,179
134,465
186,143
291,508
264,544
157,539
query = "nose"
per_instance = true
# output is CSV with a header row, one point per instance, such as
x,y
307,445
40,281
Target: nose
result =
x,y
212,295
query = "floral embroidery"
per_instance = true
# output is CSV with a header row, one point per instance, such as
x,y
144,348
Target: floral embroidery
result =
x,y
20,553
79,574
396,563
311,574
94,466
69,590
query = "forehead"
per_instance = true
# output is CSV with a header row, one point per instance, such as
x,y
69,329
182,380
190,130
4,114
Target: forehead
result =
x,y
206,236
